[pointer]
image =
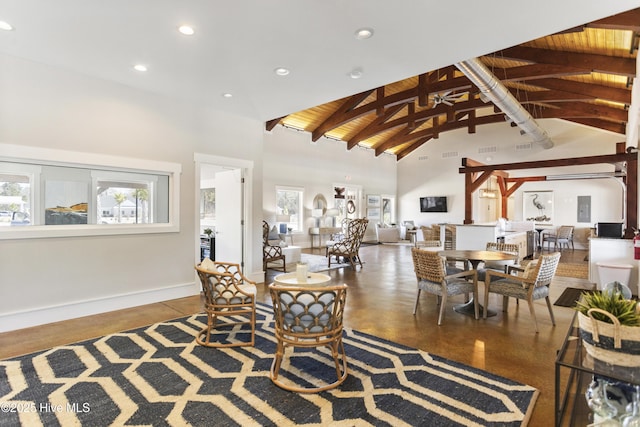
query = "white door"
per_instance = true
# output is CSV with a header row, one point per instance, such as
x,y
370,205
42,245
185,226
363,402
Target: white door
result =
x,y
229,220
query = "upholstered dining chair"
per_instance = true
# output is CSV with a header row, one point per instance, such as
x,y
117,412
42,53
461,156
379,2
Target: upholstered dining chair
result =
x,y
270,253
562,237
349,247
309,317
226,293
530,284
432,276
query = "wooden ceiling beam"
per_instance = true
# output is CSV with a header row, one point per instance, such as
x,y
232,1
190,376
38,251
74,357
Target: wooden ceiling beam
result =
x,y
351,108
415,145
595,62
607,125
582,109
273,123
341,115
525,97
607,93
379,126
376,123
405,137
537,71
629,20
591,160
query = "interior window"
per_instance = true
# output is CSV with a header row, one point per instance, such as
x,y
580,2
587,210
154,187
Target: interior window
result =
x,y
41,198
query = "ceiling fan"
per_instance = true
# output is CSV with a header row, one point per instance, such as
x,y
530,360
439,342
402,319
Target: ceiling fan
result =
x,y
447,98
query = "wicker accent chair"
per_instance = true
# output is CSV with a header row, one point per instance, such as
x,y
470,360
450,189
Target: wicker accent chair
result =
x,y
338,237
562,237
270,253
433,245
511,248
449,237
309,317
431,272
429,233
226,292
349,247
531,284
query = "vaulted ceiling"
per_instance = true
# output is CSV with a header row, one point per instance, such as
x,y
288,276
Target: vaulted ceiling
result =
x,y
583,75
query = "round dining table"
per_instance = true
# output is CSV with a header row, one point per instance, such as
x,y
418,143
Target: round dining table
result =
x,y
474,257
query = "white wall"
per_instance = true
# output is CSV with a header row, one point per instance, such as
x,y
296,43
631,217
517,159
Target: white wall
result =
x,y
291,159
432,170
43,280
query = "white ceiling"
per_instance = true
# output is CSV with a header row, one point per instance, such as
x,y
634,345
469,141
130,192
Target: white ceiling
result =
x,y
238,43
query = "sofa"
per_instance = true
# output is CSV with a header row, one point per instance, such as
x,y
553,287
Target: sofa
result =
x,y
387,233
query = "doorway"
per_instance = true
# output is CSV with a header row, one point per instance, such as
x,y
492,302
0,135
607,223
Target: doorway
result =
x,y
221,208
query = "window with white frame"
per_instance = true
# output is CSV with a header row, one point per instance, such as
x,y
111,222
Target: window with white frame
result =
x,y
289,210
51,198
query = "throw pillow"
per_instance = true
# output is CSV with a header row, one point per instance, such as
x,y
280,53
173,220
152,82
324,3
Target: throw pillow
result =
x,y
207,264
273,234
530,269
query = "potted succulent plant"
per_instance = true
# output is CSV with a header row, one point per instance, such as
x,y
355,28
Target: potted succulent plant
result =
x,y
610,327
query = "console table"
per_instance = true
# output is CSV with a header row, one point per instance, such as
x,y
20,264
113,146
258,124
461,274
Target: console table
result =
x,y
322,231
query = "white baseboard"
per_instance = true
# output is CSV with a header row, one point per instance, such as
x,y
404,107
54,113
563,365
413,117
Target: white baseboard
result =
x,y
42,315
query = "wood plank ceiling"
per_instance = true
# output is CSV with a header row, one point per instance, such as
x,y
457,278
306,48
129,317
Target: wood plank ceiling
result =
x,y
583,75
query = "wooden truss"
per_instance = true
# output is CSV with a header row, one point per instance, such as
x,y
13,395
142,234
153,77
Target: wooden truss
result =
x,y
626,164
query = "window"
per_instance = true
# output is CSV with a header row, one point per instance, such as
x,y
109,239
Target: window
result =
x,y
51,198
289,207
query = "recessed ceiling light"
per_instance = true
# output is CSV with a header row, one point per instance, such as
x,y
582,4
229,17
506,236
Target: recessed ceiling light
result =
x,y
186,30
356,73
281,71
364,33
140,67
5,26
227,95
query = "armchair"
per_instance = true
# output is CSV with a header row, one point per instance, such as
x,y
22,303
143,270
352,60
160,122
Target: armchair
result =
x,y
270,253
349,247
226,292
531,284
309,317
338,237
432,276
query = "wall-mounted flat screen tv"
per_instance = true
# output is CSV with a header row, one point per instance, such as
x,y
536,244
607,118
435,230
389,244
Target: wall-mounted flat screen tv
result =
x,y
433,204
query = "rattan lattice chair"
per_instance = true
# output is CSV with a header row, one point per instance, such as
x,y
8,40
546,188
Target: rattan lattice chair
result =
x,y
431,273
226,293
309,317
531,284
338,237
270,253
349,247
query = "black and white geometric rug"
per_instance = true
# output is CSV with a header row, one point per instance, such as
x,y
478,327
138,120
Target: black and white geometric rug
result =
x,y
158,375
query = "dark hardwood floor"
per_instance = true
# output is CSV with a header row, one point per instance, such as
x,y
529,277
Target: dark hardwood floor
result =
x,y
380,302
